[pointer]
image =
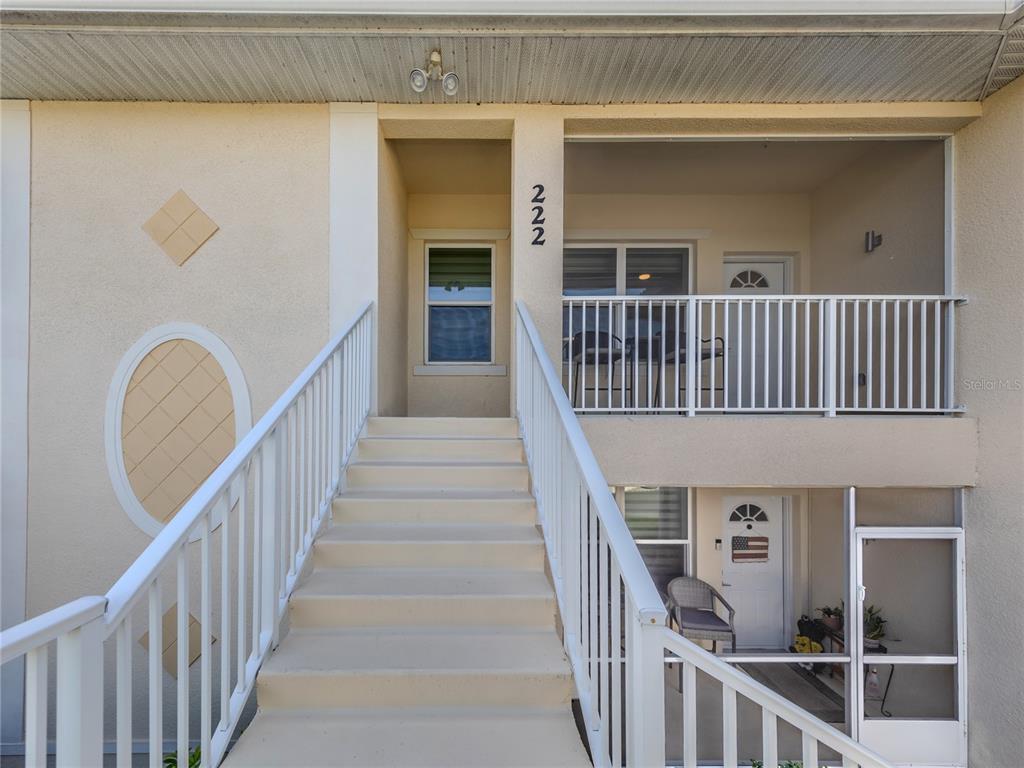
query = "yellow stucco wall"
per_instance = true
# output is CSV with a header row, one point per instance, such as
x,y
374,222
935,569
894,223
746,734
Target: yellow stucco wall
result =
x,y
99,282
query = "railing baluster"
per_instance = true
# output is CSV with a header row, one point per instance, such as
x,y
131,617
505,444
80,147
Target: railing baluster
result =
x,y
205,643
603,647
692,356
883,341
937,354
870,395
123,681
608,359
615,733
37,665
923,374
181,646
650,348
689,677
739,354
584,349
910,354
897,389
224,504
770,738
729,750
809,749
842,354
156,678
714,361
792,353
243,492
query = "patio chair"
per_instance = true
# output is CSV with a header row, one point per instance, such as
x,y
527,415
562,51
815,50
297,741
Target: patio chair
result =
x,y
593,348
691,604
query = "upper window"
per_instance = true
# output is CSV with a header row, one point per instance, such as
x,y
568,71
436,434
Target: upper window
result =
x,y
746,513
620,270
460,304
658,518
749,278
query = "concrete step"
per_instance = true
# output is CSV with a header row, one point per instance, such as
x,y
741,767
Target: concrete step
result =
x,y
412,506
400,426
445,476
403,667
475,449
410,738
402,545
351,597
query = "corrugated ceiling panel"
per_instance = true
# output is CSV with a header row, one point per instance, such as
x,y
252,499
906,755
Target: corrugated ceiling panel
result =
x,y
328,66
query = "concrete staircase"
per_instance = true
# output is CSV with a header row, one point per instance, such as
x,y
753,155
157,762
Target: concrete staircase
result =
x,y
425,633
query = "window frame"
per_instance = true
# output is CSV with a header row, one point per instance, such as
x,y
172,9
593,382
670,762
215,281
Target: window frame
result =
x,y
621,246
619,492
428,303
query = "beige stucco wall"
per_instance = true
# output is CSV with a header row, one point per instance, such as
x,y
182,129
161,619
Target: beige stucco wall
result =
x,y
98,282
896,191
989,226
738,224
393,285
457,395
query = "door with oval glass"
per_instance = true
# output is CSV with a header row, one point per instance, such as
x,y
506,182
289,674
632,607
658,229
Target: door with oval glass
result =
x,y
757,360
753,552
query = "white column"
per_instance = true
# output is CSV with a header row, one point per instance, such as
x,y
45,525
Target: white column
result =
x,y
354,235
537,170
15,178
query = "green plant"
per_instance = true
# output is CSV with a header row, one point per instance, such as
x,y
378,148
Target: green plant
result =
x,y
831,612
194,758
874,624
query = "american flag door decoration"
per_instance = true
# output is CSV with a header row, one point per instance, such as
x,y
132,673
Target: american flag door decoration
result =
x,y
750,549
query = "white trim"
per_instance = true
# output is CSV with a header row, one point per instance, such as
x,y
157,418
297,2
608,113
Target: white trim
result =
x,y
755,8
427,304
15,232
460,369
119,388
634,235
420,233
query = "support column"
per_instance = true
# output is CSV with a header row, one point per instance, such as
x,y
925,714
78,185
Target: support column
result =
x,y
537,214
15,184
354,272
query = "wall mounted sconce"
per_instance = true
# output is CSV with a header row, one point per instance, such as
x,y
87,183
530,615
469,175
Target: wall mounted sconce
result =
x,y
872,240
419,79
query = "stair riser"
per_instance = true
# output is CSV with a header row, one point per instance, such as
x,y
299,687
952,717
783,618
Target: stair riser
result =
x,y
429,449
413,689
375,611
498,512
514,478
441,427
458,554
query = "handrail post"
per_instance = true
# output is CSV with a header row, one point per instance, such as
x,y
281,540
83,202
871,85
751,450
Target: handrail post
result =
x,y
831,339
692,356
950,355
270,496
647,716
80,696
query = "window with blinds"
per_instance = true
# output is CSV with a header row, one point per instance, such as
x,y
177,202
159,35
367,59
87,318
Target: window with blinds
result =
x,y
460,315
658,518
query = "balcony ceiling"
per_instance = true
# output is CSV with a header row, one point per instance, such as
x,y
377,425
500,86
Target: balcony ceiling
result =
x,y
290,57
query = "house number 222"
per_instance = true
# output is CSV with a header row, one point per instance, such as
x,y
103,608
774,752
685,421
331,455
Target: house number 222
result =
x,y
538,214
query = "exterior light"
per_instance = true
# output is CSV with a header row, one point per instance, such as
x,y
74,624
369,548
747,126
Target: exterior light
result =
x,y
450,84
644,276
418,80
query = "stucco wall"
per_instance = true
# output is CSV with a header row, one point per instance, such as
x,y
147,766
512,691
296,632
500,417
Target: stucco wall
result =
x,y
458,395
393,285
738,224
896,191
989,226
98,282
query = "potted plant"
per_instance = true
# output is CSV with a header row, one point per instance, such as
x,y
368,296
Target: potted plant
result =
x,y
874,627
832,616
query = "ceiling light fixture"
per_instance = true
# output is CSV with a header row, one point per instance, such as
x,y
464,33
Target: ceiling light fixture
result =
x,y
419,79
644,276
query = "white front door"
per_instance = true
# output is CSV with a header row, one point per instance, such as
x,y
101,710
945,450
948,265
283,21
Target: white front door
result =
x,y
752,344
753,553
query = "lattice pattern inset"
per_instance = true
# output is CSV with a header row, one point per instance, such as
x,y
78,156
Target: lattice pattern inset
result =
x,y
180,227
177,425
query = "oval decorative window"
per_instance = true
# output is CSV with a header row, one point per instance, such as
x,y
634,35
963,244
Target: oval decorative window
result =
x,y
749,278
178,405
748,513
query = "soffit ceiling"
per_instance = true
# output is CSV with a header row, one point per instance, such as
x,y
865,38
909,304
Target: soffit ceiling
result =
x,y
290,58
454,166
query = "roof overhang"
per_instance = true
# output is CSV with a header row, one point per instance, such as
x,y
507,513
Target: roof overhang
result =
x,y
512,51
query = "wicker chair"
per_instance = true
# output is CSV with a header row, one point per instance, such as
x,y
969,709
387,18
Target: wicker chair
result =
x,y
691,603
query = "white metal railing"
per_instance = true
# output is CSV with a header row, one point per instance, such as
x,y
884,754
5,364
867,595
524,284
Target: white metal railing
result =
x,y
611,611
733,683
749,354
614,619
252,524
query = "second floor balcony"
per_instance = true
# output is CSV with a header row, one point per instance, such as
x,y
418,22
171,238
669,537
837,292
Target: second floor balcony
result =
x,y
765,353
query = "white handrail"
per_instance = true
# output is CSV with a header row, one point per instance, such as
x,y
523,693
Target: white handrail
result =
x,y
734,681
257,514
613,617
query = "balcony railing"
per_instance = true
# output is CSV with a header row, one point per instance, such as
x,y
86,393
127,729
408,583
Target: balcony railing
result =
x,y
759,354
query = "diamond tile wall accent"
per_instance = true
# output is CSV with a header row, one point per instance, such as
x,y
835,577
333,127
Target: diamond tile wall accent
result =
x,y
169,640
177,425
180,227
